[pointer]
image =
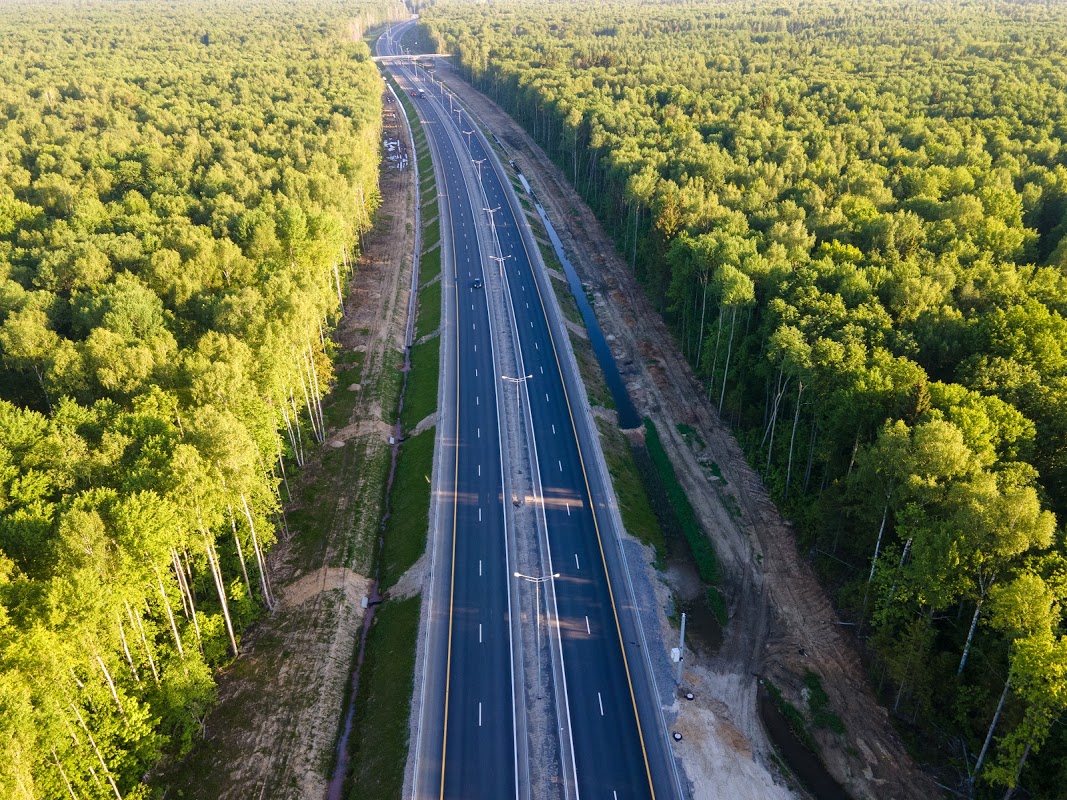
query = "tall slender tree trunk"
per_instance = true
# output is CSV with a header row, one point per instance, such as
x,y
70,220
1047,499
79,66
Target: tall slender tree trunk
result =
x,y
139,624
240,552
811,453
703,315
1018,772
774,423
729,352
110,683
878,542
126,648
170,617
970,634
989,735
63,775
268,598
715,356
852,458
793,437
183,583
220,587
99,757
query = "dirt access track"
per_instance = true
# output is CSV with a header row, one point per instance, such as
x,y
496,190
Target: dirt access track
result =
x,y
781,623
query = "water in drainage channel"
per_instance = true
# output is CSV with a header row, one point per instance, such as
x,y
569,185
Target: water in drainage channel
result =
x,y
624,406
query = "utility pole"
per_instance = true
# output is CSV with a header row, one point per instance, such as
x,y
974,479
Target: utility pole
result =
x,y
680,650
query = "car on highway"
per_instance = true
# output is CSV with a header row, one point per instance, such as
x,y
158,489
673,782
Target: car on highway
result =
x,y
477,284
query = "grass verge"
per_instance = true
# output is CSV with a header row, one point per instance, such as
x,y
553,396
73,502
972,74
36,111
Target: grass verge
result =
x,y
383,702
420,397
637,515
430,265
707,563
429,318
432,234
404,539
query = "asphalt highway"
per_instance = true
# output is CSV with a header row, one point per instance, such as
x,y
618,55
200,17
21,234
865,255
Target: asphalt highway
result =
x,y
619,744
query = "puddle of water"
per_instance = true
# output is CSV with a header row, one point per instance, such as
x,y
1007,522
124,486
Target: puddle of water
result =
x,y
803,763
628,417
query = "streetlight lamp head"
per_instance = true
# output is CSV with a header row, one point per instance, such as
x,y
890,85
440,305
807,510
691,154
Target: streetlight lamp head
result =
x,y
555,574
517,574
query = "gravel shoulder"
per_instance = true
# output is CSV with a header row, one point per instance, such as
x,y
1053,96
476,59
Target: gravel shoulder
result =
x,y
781,621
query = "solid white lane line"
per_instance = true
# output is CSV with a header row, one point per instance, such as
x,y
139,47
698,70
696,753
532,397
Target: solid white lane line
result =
x,y
576,564
599,699
586,625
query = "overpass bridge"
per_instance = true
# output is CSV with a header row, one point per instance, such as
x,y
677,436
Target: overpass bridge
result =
x,y
408,58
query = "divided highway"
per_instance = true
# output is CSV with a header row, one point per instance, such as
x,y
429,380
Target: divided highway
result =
x,y
472,731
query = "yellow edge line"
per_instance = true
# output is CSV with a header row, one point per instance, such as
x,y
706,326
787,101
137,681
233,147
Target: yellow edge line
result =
x,y
589,494
455,498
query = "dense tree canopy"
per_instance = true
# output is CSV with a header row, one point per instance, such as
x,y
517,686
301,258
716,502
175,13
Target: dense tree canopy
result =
x,y
182,186
854,218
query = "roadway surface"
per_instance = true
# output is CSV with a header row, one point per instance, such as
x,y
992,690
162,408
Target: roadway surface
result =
x,y
474,706
619,744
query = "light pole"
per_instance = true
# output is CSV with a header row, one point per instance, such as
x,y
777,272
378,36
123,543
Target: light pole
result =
x,y
537,605
516,381
478,163
500,260
468,134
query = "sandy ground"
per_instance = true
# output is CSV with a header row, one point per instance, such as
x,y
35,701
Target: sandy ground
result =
x,y
781,622
273,732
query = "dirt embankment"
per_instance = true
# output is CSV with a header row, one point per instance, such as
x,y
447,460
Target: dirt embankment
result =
x,y
781,622
273,732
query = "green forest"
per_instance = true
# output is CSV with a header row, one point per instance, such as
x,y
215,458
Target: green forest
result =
x,y
183,185
854,217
